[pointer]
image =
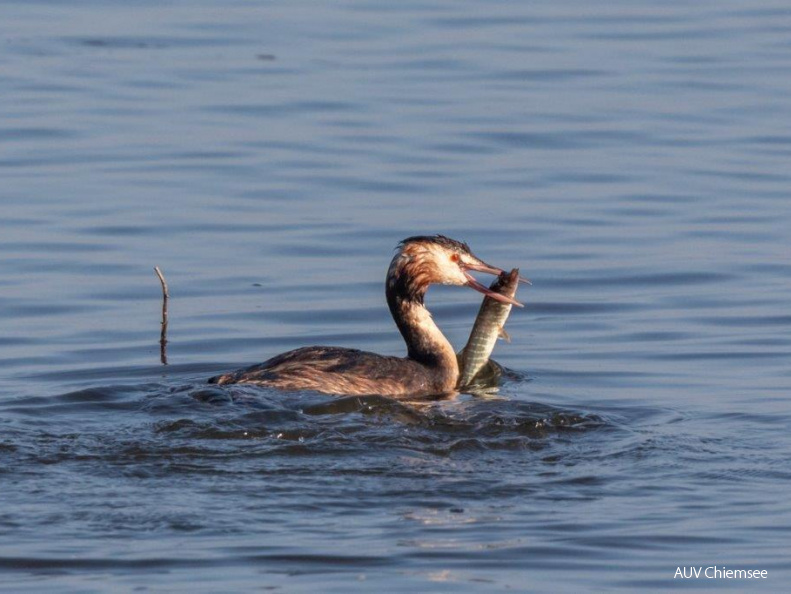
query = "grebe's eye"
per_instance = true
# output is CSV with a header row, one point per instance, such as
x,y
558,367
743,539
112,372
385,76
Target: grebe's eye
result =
x,y
454,258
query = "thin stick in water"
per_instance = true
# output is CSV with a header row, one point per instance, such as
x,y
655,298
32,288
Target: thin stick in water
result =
x,y
163,337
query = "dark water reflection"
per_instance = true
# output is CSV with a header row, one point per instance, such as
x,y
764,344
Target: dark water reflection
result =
x,y
631,159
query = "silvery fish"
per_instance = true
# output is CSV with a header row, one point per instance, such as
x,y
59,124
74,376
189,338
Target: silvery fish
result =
x,y
487,328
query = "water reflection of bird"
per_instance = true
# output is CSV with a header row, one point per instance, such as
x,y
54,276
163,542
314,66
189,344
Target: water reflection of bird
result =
x,y
430,366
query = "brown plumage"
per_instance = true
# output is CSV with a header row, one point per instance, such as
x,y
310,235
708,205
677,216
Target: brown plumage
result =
x,y
430,366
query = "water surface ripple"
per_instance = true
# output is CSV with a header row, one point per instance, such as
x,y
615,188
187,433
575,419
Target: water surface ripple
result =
x,y
631,159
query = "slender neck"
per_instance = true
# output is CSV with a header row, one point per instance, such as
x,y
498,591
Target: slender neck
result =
x,y
424,340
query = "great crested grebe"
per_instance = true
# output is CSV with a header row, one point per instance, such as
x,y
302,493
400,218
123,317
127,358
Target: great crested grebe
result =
x,y
430,366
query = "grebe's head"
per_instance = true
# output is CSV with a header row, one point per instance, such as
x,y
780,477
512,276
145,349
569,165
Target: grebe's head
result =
x,y
435,259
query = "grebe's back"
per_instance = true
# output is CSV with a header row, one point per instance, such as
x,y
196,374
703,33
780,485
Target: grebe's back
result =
x,y
337,370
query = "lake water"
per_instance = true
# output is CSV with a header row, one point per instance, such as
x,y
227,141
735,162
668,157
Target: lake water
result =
x,y
631,158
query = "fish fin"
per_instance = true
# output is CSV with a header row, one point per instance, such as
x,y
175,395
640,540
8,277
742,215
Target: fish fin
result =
x,y
504,335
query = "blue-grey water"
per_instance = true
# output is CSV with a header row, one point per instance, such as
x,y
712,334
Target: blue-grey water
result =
x,y
632,158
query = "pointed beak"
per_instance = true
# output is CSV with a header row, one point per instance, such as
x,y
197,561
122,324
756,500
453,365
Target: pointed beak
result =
x,y
474,284
483,267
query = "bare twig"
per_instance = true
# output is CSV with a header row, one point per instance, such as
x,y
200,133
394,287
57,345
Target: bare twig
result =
x,y
163,337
